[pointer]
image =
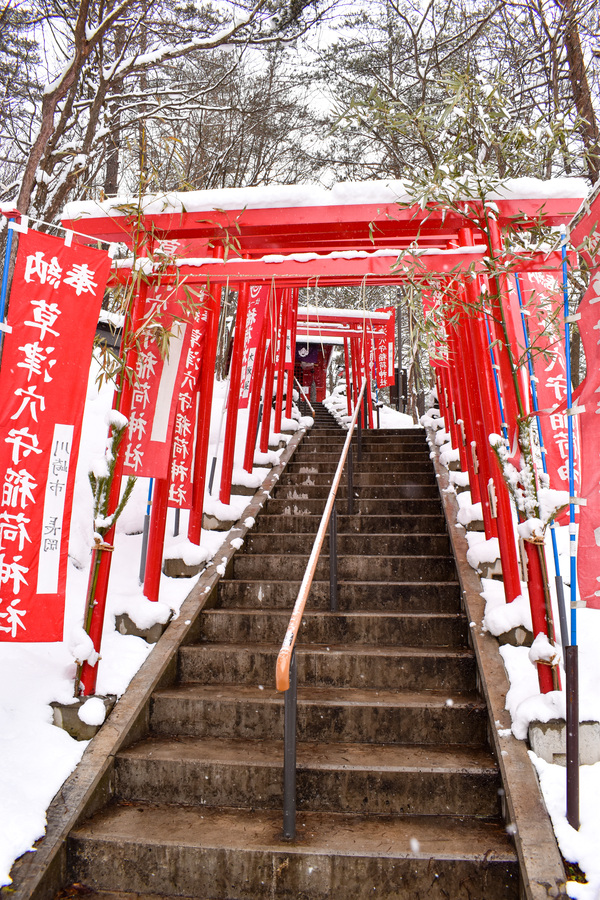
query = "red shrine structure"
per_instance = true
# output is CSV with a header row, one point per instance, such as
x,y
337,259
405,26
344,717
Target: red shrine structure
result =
x,y
267,243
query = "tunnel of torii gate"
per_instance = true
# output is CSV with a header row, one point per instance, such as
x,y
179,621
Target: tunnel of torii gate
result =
x,y
272,241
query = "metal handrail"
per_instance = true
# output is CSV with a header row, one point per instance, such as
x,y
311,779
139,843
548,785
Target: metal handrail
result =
x,y
282,677
303,392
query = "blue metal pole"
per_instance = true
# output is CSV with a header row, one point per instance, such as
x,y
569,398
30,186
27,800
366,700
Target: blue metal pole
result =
x,y
562,614
146,532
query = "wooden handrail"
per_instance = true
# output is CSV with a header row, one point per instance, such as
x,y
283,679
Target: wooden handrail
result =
x,y
303,392
282,673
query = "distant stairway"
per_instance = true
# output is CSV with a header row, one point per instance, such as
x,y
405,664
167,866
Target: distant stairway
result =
x,y
397,788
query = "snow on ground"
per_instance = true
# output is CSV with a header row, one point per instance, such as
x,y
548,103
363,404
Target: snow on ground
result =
x,y
337,404
35,755
524,701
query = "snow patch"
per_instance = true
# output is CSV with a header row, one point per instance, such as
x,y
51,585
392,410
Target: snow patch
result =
x,y
93,711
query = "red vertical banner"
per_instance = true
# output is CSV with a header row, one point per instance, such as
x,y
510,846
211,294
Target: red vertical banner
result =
x,y
257,305
55,301
385,345
186,408
543,309
588,398
157,382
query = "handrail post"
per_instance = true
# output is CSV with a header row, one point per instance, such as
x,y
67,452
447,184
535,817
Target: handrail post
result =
x,y
306,400
289,753
333,585
350,482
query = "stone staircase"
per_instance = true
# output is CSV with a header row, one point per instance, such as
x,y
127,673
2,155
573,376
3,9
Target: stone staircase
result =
x,y
398,793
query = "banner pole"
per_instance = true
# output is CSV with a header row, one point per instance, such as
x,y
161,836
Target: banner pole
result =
x,y
145,532
156,538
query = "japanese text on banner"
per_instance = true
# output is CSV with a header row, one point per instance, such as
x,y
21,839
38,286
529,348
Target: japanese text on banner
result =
x,y
53,311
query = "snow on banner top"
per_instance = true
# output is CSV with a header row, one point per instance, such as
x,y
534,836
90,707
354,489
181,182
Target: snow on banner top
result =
x,y
276,196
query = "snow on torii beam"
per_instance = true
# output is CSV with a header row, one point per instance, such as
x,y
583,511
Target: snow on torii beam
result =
x,y
329,322
300,218
351,267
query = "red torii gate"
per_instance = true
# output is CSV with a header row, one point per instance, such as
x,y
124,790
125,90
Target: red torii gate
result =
x,y
288,238
356,330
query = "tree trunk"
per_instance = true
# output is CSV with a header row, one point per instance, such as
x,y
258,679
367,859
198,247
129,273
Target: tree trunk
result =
x,y
581,92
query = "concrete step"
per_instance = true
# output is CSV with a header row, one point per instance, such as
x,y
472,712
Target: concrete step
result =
x,y
323,453
394,435
324,714
365,506
325,430
317,466
353,544
269,523
332,665
362,475
406,487
408,629
359,568
409,780
443,596
229,854
372,445
362,480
